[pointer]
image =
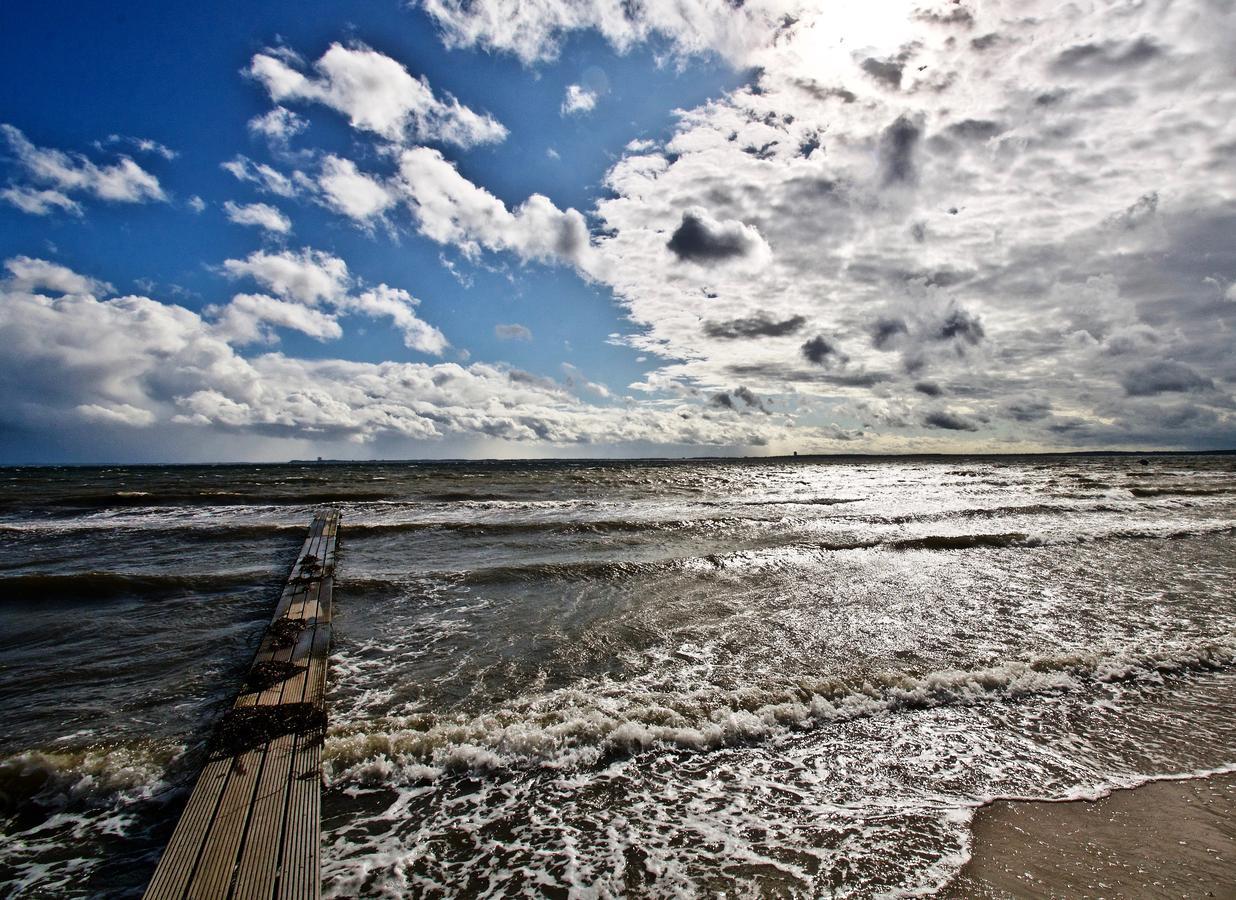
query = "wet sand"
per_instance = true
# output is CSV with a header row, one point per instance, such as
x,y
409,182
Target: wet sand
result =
x,y
1164,839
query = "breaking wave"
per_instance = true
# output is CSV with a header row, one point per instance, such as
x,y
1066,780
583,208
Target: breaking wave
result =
x,y
1181,491
570,728
53,780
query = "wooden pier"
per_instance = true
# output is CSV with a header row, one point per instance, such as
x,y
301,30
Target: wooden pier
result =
x,y
252,825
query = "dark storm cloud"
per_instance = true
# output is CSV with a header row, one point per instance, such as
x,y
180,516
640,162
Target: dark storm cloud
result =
x,y
757,326
741,394
940,277
699,240
1185,416
779,372
765,151
886,71
747,396
1106,56
898,144
1052,97
1140,212
953,15
821,92
820,350
857,379
1163,377
960,325
948,421
519,376
929,388
885,330
975,129
1027,409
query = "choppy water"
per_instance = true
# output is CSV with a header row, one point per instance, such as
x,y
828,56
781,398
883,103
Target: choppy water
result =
x,y
791,678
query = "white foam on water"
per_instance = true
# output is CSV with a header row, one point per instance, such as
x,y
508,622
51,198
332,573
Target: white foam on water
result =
x,y
584,724
874,807
67,798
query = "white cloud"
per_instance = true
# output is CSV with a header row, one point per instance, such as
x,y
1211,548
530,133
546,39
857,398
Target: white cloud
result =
x,y
900,254
196,203
266,178
62,173
578,99
308,276
116,414
574,379
377,94
534,31
312,278
134,362
40,202
278,126
248,318
512,332
259,214
398,305
910,231
450,209
349,191
27,274
142,145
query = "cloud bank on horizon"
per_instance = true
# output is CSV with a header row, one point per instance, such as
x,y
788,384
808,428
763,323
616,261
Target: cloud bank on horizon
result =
x,y
912,226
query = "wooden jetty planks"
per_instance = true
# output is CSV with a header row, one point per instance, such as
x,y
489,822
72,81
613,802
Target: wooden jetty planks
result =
x,y
252,825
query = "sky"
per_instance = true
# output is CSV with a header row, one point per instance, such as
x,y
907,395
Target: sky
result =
x,y
579,228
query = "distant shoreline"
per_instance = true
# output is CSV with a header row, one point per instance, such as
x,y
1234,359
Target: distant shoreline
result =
x,y
624,460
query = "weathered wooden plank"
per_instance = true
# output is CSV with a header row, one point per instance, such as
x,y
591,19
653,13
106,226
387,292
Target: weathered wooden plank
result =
x,y
300,861
257,869
252,825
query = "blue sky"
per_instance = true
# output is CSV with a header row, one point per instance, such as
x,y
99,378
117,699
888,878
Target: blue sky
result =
x,y
173,73
878,226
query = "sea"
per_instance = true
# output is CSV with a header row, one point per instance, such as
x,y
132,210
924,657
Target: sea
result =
x,y
695,678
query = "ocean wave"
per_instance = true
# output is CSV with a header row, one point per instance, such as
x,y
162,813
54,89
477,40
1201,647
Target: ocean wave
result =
x,y
965,541
45,587
589,724
119,499
586,527
207,528
1005,540
470,497
1181,491
793,501
55,779
610,570
585,570
996,512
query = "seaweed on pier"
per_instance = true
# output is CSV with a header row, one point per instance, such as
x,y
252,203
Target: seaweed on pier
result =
x,y
246,728
269,673
285,632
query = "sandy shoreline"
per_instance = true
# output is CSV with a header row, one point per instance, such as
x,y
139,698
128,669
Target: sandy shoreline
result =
x,y
1163,839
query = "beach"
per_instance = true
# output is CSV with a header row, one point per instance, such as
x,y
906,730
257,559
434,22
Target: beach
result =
x,y
1162,839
